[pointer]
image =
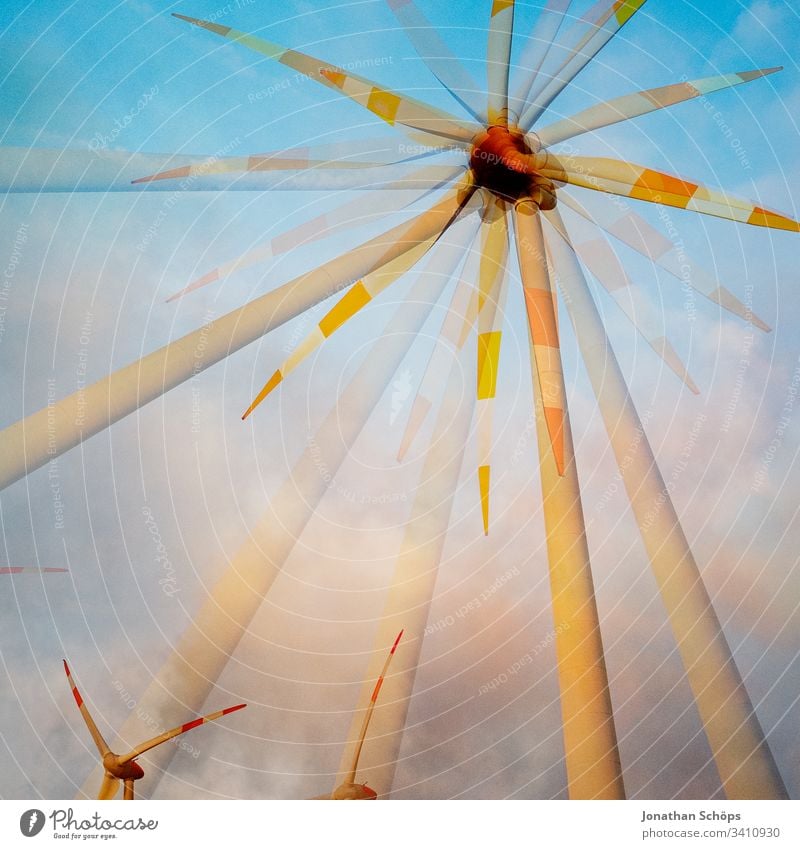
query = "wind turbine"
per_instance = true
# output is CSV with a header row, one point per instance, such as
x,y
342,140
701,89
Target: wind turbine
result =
x,y
124,767
349,789
507,161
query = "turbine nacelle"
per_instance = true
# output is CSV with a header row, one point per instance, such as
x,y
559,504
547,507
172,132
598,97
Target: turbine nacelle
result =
x,y
116,768
355,792
502,162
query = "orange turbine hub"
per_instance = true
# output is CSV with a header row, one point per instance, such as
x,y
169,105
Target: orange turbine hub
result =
x,y
501,164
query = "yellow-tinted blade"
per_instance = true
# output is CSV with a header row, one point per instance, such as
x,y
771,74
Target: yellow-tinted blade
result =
x,y
601,261
599,33
451,337
542,323
388,106
353,213
415,240
641,103
360,153
498,57
617,177
491,295
445,66
245,164
536,49
633,230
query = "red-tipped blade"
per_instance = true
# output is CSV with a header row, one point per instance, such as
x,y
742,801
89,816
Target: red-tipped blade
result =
x,y
378,684
174,732
102,746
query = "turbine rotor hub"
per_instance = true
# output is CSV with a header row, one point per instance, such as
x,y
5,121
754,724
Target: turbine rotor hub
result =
x,y
500,160
126,771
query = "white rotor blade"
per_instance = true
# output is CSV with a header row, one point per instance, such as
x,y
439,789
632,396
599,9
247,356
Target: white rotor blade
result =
x,y
370,709
610,22
174,732
536,48
498,58
56,428
100,743
641,103
441,61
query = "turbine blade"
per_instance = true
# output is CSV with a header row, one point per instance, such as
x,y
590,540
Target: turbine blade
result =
x,y
626,179
370,709
609,23
417,240
109,787
491,295
17,570
43,170
30,442
400,109
451,336
641,103
541,310
725,709
442,63
390,107
498,57
601,261
174,732
381,151
246,164
100,743
350,304
350,214
537,47
565,48
634,231
412,585
39,170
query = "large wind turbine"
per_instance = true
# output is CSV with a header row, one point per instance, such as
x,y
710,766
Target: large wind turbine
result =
x,y
124,768
505,157
350,789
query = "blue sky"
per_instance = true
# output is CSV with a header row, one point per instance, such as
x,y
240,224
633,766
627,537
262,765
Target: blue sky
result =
x,y
66,77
